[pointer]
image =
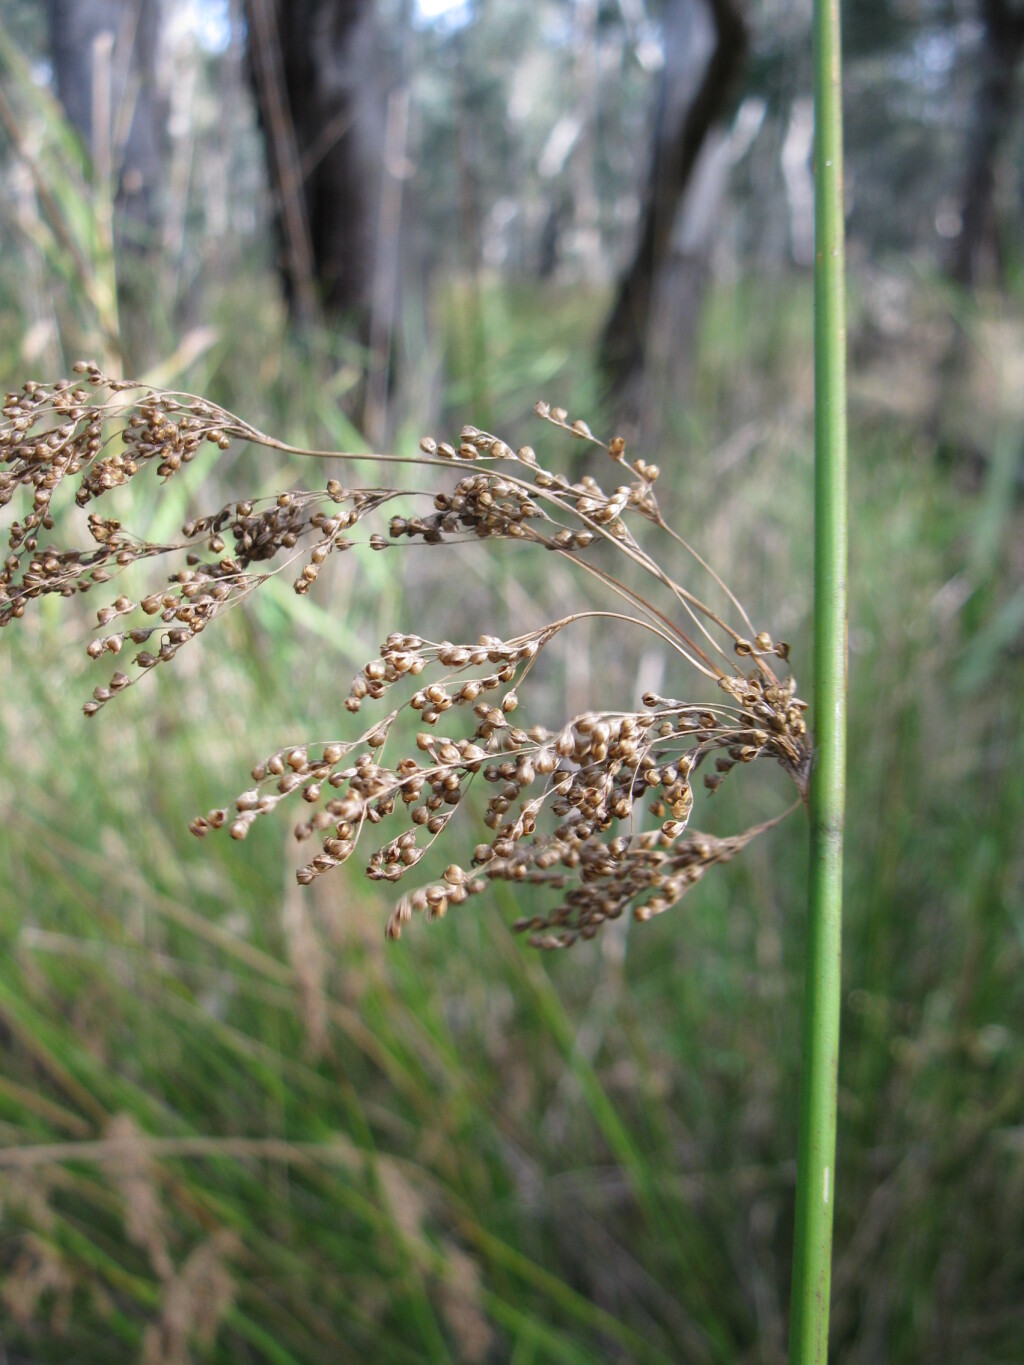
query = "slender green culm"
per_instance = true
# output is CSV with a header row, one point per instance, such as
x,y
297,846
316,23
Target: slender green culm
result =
x,y
815,1198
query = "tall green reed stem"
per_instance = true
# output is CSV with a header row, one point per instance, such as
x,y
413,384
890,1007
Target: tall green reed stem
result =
x,y
815,1196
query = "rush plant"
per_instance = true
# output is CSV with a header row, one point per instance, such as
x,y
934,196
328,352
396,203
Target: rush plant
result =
x,y
812,1260
561,808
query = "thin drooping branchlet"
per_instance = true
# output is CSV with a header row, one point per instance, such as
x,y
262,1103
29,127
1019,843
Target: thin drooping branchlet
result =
x,y
560,805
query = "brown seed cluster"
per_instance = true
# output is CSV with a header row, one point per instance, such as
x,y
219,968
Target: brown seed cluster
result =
x,y
486,504
483,504
66,433
218,571
562,808
652,874
563,804
96,436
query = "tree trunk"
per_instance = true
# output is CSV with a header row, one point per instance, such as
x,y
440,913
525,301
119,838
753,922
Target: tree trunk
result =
x,y
690,103
993,109
322,93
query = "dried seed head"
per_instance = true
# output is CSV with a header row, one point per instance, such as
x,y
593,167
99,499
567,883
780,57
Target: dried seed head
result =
x,y
558,805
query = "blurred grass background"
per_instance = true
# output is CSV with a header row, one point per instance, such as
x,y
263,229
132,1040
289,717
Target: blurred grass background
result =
x,y
293,1144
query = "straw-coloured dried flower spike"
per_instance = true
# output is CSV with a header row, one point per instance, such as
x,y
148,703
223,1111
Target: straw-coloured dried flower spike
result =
x,y
559,804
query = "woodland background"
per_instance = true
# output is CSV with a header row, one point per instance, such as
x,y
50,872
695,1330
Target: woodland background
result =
x,y
356,223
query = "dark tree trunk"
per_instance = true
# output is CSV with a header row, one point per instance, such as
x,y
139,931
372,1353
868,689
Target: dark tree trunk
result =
x,y
322,92
117,41
690,103
993,109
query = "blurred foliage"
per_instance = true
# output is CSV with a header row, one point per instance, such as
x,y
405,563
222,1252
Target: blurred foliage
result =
x,y
453,1150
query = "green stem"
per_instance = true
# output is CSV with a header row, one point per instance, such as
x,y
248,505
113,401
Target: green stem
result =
x,y
815,1196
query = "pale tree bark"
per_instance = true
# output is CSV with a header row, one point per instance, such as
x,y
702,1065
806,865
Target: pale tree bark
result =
x,y
104,60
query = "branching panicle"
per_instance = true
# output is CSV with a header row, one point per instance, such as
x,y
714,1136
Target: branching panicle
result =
x,y
560,804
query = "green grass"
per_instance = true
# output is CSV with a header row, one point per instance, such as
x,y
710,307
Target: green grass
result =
x,y
609,1140
579,1159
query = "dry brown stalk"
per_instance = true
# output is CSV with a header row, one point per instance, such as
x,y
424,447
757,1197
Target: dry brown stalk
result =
x,y
561,803
136,1180
195,1301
